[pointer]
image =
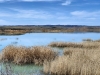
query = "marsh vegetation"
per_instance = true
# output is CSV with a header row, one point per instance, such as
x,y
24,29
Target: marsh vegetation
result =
x,y
77,59
27,55
82,45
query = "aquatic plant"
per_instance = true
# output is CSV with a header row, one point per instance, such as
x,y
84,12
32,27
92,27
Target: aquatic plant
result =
x,y
26,55
75,45
43,53
75,62
97,40
88,40
8,53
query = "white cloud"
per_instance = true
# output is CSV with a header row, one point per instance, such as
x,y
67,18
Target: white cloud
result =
x,y
91,18
62,17
29,0
68,2
37,0
86,14
4,14
33,14
79,13
95,3
45,15
5,0
1,0
3,22
37,14
29,14
40,14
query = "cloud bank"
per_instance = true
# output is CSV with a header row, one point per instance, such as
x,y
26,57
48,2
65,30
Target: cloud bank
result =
x,y
65,2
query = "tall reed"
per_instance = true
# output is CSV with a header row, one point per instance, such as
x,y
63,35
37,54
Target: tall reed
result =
x,y
90,40
75,45
27,55
76,62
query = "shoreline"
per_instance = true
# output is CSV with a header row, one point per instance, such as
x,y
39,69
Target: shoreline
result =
x,y
20,30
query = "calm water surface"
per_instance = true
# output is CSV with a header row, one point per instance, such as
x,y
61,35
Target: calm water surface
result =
x,y
34,39
22,69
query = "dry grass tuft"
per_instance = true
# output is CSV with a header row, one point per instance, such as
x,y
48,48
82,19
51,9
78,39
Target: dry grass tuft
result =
x,y
26,55
75,62
9,53
88,45
43,53
23,56
89,40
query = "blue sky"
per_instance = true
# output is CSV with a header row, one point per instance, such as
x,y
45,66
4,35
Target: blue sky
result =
x,y
39,12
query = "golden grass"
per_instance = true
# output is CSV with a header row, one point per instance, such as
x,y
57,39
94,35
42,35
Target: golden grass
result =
x,y
9,53
76,61
75,45
27,55
90,40
15,32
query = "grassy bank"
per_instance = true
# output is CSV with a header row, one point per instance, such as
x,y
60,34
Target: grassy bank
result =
x,y
22,29
87,44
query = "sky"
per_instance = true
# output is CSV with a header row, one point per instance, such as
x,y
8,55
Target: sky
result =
x,y
52,12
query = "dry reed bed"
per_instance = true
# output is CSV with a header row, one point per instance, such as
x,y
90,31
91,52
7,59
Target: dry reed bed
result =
x,y
75,61
15,32
90,40
88,45
26,55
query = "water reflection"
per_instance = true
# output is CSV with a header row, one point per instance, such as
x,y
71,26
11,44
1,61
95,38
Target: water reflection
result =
x,y
35,39
21,69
